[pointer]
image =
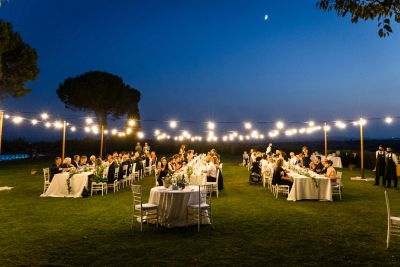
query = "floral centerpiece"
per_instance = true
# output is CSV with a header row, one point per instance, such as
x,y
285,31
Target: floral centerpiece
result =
x,y
72,172
98,175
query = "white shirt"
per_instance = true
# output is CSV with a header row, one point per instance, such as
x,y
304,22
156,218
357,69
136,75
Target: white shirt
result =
x,y
269,149
211,170
293,161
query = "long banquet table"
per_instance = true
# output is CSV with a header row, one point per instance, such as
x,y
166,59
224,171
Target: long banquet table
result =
x,y
306,188
59,188
172,205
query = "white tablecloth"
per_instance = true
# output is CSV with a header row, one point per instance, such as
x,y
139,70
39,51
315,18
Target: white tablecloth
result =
x,y
306,188
59,188
172,205
337,161
199,179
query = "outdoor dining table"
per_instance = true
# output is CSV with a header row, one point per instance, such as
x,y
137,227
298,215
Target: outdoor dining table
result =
x,y
172,205
59,188
305,187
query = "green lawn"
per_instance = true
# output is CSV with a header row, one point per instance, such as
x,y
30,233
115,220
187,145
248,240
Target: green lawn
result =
x,y
250,227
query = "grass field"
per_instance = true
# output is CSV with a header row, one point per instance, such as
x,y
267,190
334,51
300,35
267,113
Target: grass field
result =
x,y
250,227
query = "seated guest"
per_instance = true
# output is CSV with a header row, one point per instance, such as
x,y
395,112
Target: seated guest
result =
x,y
211,170
125,162
162,171
55,168
83,161
76,163
293,159
171,165
112,165
137,159
318,165
271,162
264,164
92,160
146,147
67,164
279,176
153,158
323,171
330,171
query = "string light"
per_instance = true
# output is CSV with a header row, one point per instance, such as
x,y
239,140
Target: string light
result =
x,y
389,120
131,122
47,124
340,124
34,122
87,129
6,116
89,121
73,129
247,125
211,125
173,124
114,131
17,119
280,125
140,135
58,125
44,116
156,132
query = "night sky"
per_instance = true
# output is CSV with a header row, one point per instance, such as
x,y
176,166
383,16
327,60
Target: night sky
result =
x,y
213,60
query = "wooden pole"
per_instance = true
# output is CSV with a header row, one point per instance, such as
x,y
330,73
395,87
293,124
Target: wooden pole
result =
x,y
326,139
362,148
102,141
1,126
63,140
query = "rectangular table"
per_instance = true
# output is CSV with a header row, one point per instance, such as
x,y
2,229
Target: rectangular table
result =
x,y
59,188
308,188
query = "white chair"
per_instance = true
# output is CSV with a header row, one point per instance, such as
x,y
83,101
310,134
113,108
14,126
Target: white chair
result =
x,y
203,207
393,222
148,210
147,169
124,181
136,175
337,187
284,189
46,179
114,185
214,185
95,187
155,177
267,177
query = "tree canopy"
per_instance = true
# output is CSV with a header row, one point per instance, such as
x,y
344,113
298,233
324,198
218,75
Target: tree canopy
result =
x,y
18,63
385,11
102,93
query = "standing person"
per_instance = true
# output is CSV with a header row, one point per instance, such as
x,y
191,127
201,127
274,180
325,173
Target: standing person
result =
x,y
138,147
146,147
390,169
380,165
306,159
269,149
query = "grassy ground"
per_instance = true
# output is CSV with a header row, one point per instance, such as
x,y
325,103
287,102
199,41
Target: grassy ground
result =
x,y
250,227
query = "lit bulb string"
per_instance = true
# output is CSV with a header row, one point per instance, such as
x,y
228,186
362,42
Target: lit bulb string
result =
x,y
231,135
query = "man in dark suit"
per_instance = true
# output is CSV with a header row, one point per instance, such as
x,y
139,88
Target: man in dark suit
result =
x,y
76,160
55,168
112,165
318,166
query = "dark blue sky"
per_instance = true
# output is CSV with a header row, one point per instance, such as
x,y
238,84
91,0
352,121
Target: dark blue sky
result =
x,y
218,60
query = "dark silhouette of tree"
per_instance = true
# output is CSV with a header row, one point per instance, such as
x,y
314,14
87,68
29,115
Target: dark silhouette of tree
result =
x,y
385,11
102,93
18,63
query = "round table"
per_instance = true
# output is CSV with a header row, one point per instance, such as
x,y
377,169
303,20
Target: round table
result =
x,y
172,205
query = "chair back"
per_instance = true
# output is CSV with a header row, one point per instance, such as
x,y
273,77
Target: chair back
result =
x,y
144,164
105,172
205,194
387,205
116,172
137,195
218,172
155,177
125,170
134,167
339,178
46,174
